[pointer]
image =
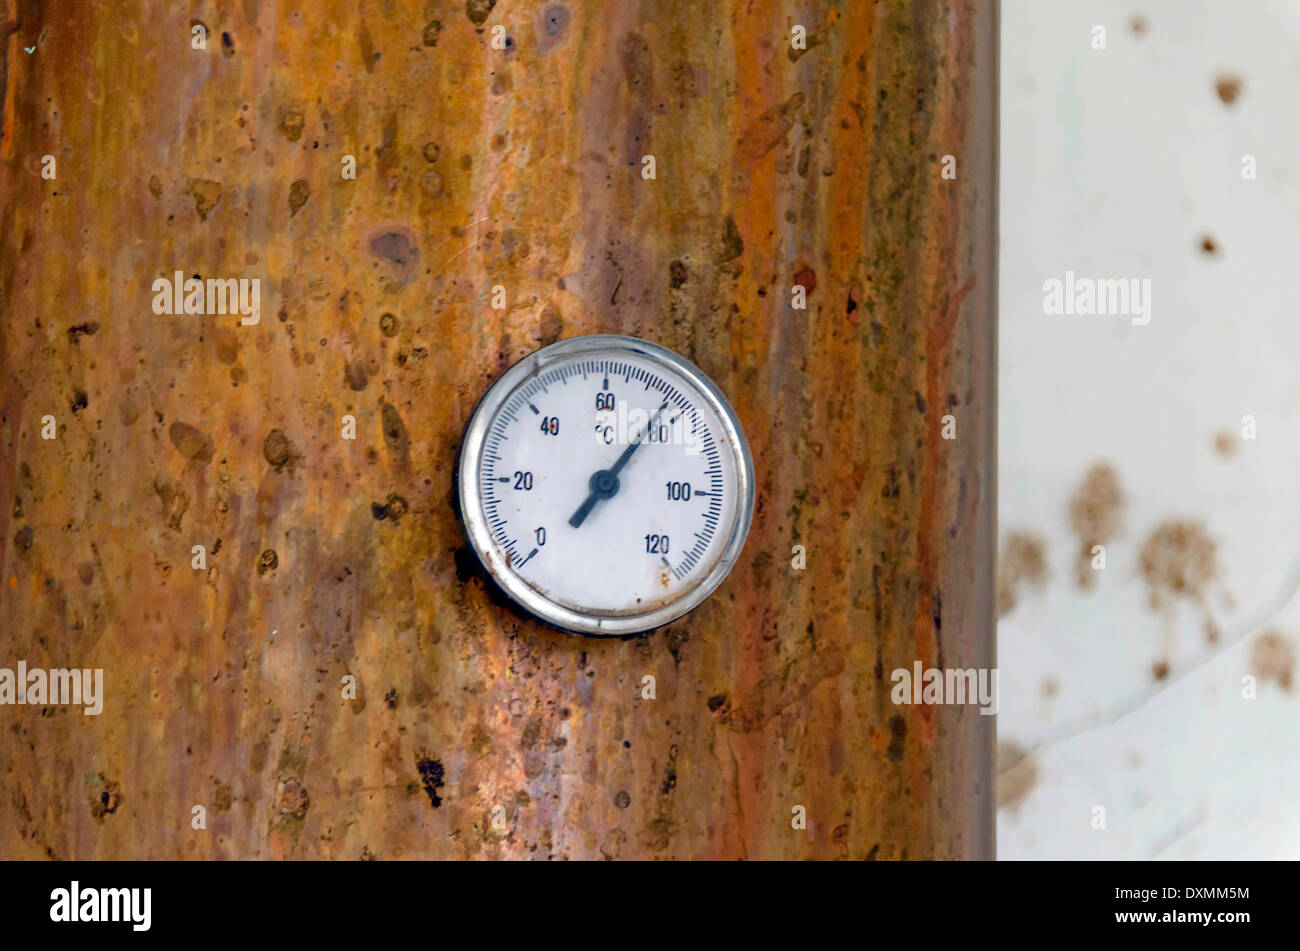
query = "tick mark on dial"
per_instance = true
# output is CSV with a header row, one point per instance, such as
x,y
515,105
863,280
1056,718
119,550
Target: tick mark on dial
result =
x,y
535,410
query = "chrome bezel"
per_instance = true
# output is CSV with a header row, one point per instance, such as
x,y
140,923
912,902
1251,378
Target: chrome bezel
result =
x,y
475,520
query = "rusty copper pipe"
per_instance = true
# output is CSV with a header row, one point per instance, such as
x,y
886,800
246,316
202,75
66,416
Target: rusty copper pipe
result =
x,y
475,732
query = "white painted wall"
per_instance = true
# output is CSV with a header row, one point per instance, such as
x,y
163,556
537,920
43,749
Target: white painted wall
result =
x,y
1115,163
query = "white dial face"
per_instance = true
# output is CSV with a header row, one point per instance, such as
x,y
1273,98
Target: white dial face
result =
x,y
611,481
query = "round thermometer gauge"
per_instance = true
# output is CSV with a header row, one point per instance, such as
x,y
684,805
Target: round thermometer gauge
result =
x,y
606,485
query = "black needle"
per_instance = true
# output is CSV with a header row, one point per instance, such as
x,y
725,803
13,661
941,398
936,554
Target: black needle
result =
x,y
603,483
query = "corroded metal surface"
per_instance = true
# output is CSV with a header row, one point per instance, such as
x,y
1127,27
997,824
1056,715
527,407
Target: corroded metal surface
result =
x,y
476,732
